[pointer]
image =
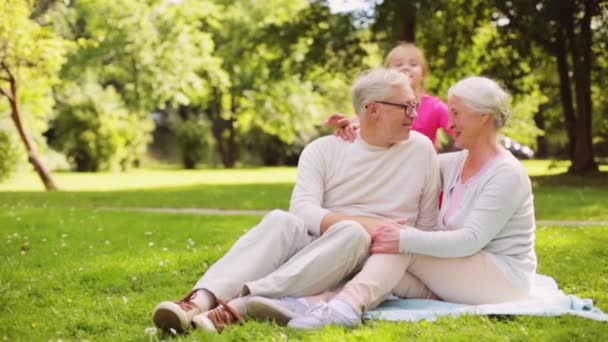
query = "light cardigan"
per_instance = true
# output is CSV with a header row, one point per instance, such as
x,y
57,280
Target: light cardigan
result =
x,y
496,216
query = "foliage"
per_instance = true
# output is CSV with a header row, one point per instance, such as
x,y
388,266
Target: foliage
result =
x,y
8,155
31,55
151,52
258,77
287,68
34,54
194,139
95,130
276,67
566,31
148,56
517,43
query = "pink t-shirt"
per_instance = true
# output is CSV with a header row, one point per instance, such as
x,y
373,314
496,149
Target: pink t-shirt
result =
x,y
458,191
432,115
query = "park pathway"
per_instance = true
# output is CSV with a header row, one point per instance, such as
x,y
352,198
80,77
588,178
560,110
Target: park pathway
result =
x,y
244,212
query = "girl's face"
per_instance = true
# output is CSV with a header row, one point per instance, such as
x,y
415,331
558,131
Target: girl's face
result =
x,y
409,61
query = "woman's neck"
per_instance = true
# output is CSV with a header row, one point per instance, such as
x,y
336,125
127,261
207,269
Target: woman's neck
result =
x,y
482,152
479,155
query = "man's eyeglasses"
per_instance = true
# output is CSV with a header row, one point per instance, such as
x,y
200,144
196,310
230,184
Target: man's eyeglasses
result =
x,y
409,109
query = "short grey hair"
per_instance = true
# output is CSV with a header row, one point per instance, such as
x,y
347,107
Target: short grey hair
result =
x,y
484,95
376,84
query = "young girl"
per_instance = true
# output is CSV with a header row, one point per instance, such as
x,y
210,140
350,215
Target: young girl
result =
x,y
432,111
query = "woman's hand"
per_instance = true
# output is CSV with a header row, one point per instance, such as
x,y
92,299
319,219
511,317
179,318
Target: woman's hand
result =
x,y
386,240
345,128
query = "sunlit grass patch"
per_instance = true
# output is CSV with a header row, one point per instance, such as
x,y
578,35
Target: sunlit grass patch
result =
x,y
76,274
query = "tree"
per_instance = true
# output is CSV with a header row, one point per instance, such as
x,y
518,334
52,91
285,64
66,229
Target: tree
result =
x,y
30,58
238,70
475,47
564,30
396,21
528,36
153,53
289,63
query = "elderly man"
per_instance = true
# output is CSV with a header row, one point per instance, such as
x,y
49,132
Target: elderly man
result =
x,y
344,192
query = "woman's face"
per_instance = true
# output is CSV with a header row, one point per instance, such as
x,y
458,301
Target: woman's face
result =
x,y
467,124
408,61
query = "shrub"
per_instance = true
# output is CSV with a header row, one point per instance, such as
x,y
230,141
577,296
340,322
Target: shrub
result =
x,y
194,139
97,132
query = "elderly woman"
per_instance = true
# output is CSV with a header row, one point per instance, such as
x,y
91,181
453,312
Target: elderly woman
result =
x,y
482,250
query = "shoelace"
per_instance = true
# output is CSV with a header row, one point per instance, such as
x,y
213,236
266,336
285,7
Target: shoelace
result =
x,y
223,315
186,303
320,311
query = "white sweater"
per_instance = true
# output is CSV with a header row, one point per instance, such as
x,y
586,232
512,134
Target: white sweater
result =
x,y
401,181
496,216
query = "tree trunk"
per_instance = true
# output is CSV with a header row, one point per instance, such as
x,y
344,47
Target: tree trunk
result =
x,y
408,28
232,139
225,146
565,89
580,48
32,152
541,140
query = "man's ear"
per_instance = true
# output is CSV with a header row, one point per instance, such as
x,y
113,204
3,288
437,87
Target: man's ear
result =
x,y
371,110
485,117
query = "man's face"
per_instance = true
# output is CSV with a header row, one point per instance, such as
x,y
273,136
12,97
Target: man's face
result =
x,y
396,113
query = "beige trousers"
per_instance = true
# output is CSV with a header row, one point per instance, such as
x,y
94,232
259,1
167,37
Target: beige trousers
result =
x,y
279,258
470,280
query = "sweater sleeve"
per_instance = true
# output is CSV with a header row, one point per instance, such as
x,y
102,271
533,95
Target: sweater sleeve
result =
x,y
428,206
307,196
492,209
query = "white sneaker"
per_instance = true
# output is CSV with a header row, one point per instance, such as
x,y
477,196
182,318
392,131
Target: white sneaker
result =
x,y
280,310
336,312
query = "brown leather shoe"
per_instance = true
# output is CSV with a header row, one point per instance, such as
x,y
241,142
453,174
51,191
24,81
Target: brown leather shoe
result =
x,y
176,315
217,319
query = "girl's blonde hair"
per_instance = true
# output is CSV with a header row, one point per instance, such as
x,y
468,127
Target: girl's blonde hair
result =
x,y
419,55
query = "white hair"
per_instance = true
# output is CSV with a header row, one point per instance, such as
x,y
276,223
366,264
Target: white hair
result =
x,y
484,95
376,84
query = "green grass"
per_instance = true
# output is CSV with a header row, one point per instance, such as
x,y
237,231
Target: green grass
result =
x,y
155,178
69,271
226,196
558,196
96,275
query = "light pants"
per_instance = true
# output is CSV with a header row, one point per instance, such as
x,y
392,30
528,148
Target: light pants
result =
x,y
470,280
279,258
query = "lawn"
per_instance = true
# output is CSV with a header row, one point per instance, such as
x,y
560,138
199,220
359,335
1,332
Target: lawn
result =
x,y
557,196
72,272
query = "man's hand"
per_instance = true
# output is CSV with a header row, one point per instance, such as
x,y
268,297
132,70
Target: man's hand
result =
x,y
372,225
386,240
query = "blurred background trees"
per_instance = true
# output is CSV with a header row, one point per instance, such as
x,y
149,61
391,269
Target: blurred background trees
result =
x,y
108,85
